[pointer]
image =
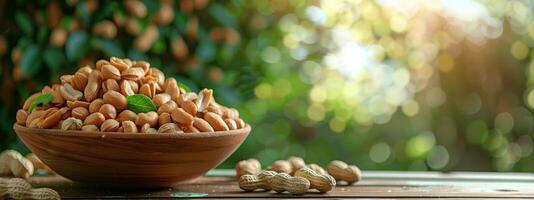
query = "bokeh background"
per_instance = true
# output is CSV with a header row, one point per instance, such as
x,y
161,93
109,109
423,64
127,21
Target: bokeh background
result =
x,y
398,85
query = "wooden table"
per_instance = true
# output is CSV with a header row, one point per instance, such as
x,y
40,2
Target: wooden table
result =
x,y
375,184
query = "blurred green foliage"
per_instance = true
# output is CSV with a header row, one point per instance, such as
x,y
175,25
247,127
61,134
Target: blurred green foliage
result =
x,y
405,85
197,42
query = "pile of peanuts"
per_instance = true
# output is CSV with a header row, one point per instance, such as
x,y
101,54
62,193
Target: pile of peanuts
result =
x,y
294,176
95,99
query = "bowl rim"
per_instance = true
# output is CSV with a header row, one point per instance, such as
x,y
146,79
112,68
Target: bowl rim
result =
x,y
91,134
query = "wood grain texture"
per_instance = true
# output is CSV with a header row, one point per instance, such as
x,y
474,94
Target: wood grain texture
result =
x,y
375,184
131,159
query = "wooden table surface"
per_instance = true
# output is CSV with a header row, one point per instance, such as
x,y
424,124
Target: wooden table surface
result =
x,y
375,184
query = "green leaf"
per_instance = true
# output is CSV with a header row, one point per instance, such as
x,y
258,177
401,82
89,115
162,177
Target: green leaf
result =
x,y
151,6
143,23
41,99
53,58
221,14
66,22
180,21
139,103
106,10
137,55
187,89
24,92
187,84
109,47
24,23
77,45
23,42
42,34
158,47
205,50
30,61
226,95
83,12
227,53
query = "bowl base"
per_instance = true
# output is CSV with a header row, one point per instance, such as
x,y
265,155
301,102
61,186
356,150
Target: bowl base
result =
x,y
124,160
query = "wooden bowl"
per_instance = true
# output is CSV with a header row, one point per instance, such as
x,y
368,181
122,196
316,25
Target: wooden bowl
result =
x,y
131,159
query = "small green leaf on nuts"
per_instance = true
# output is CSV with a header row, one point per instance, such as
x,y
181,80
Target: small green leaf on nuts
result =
x,y
183,86
41,99
140,103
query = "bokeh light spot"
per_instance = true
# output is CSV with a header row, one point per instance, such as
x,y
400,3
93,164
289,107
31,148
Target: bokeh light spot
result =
x,y
495,141
526,144
316,112
401,77
379,152
471,104
530,99
270,55
531,31
445,62
416,60
419,145
519,50
438,158
291,41
435,97
398,23
318,94
477,132
337,125
263,91
410,108
283,88
504,122
316,15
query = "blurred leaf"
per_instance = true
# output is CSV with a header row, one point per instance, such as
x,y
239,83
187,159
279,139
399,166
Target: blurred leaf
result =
x,y
206,49
66,22
53,58
222,15
20,147
187,89
197,74
143,23
151,6
24,93
246,82
227,53
83,12
105,11
226,95
237,2
77,45
137,55
30,61
165,32
24,22
23,42
155,61
42,2
186,83
109,47
42,34
159,46
180,21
